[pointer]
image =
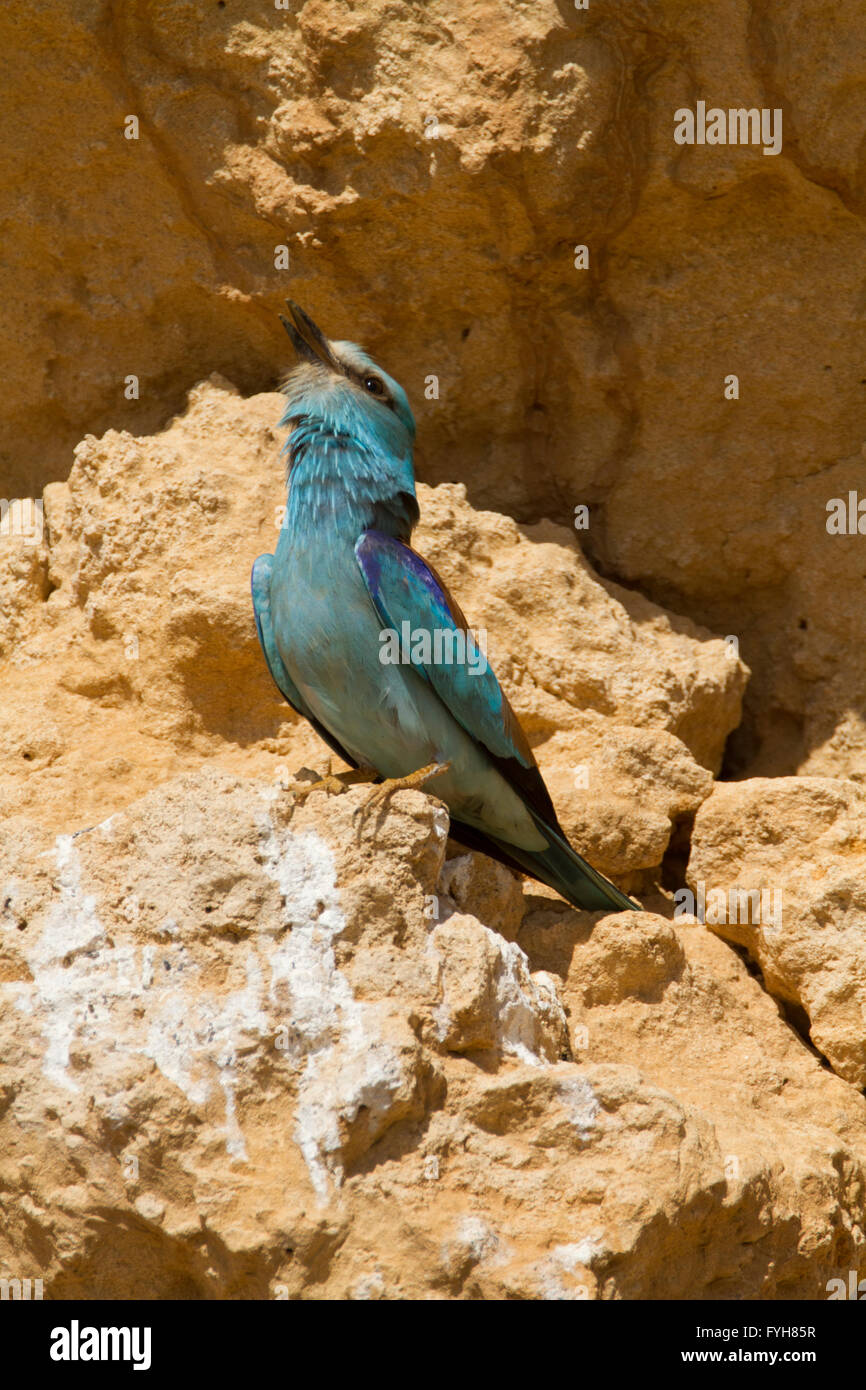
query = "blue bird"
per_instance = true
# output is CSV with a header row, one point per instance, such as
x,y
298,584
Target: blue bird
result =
x,y
344,582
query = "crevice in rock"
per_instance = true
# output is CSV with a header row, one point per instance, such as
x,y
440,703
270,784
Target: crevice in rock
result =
x,y
790,1012
751,753
797,1019
676,857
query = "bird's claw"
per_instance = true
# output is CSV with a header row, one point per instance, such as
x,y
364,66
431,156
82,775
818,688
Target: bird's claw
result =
x,y
413,781
299,791
332,783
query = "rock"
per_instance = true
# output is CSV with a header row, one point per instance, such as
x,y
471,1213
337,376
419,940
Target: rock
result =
x,y
242,1058
488,999
137,656
636,956
782,867
24,585
485,889
258,1049
525,133
698,1026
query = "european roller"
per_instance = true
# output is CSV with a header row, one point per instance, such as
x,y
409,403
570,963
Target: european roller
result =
x,y
363,639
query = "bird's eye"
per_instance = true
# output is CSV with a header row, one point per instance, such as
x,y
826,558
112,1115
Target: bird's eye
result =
x,y
374,386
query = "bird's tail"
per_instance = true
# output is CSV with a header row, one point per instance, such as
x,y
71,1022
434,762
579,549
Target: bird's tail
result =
x,y
562,868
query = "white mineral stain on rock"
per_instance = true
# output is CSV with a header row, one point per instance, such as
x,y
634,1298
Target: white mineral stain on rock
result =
x,y
191,1032
524,1009
85,990
560,1274
580,1103
522,1000
149,1001
336,1040
369,1288
65,962
478,1238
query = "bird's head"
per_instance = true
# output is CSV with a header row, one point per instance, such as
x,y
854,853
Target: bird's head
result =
x,y
340,388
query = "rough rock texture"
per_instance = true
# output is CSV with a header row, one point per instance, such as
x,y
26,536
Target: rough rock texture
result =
x,y
256,1050
430,170
129,650
251,1050
801,843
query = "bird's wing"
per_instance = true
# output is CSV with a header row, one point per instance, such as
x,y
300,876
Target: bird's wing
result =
x,y
404,588
261,589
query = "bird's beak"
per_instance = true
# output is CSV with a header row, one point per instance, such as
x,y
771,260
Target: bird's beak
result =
x,y
308,341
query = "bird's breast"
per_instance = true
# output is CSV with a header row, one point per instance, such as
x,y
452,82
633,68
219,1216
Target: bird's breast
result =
x,y
328,634
385,715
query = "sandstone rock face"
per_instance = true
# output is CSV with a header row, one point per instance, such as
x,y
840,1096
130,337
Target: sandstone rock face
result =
x,y
421,177
129,650
254,1049
795,847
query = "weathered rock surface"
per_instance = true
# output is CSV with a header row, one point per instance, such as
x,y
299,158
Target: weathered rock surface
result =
x,y
251,1050
799,843
430,170
241,1057
129,651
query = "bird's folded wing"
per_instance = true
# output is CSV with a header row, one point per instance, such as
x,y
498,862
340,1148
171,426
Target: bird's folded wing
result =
x,y
261,590
406,590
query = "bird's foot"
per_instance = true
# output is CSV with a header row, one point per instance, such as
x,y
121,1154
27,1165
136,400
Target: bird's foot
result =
x,y
413,781
332,783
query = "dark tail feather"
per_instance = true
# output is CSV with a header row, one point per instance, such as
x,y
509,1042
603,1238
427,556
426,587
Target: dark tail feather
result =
x,y
559,866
